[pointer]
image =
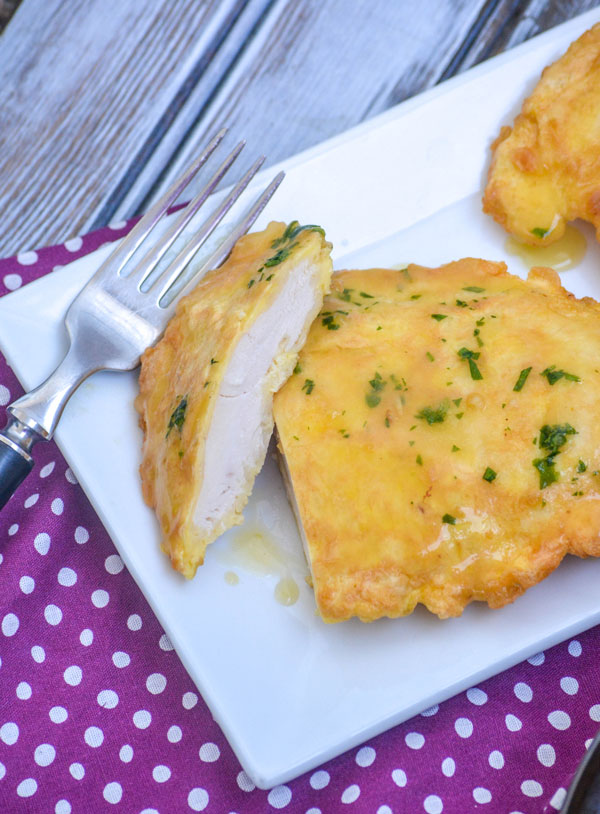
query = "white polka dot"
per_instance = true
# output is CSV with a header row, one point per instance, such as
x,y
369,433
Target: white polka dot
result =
x,y
531,788
67,577
399,777
381,810
81,535
351,794
107,699
121,659
189,700
477,696
62,807
513,724
9,733
496,759
174,734
134,622
279,797
118,225
100,598
112,792
595,712
74,244
13,529
165,643
559,719
463,727
161,773
245,783
448,767
27,584
4,399
433,804
2,770
72,675
31,500
537,660
365,756
86,637
414,740
575,648
113,564
126,753
38,654
58,715
588,743
77,771
155,683
319,780
546,754
44,754
72,479
142,718
53,614
27,788
13,281
57,506
209,752
27,258
42,543
427,713
10,624
558,798
47,470
481,795
523,692
197,799
24,691
569,685
94,736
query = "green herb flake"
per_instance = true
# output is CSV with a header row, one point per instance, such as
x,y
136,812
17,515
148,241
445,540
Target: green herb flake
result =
x,y
372,399
366,296
439,317
177,416
462,303
214,361
430,356
522,379
308,386
344,433
474,288
539,232
489,475
471,356
581,466
455,448
419,460
251,283
330,323
298,368
433,415
448,518
545,467
415,296
554,436
553,375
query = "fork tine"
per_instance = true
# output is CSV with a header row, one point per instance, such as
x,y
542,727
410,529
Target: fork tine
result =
x,y
150,260
125,248
224,248
179,263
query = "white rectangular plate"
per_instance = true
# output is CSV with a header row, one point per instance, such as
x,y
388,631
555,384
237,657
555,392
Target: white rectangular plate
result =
x,y
289,691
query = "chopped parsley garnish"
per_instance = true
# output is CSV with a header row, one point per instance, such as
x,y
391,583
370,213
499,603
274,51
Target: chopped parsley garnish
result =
x,y
462,304
415,296
474,288
489,475
545,467
471,356
522,379
448,518
553,375
292,231
345,294
177,416
308,386
298,368
581,467
419,460
430,356
433,415
279,256
330,323
478,338
251,282
480,322
539,232
439,317
377,384
457,401
366,296
214,361
552,438
455,448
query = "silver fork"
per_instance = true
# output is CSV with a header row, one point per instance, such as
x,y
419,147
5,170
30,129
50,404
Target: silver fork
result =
x,y
124,308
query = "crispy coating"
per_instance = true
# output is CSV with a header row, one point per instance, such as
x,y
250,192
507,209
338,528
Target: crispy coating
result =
x,y
418,465
182,377
545,170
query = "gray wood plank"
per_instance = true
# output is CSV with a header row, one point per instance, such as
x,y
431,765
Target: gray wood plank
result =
x,y
88,91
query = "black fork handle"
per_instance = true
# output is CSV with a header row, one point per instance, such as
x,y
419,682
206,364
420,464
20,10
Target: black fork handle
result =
x,y
15,465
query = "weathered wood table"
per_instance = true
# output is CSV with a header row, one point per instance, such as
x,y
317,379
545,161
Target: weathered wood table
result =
x,y
102,101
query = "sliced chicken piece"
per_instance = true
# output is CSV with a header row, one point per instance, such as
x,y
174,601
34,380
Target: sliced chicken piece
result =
x,y
206,388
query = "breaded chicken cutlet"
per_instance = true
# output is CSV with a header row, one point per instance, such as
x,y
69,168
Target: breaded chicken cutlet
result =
x,y
545,169
206,388
439,437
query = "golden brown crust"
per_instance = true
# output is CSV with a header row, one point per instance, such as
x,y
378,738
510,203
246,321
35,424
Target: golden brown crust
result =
x,y
376,464
545,170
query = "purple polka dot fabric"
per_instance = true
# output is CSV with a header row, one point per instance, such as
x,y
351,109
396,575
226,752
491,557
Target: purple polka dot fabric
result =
x,y
98,714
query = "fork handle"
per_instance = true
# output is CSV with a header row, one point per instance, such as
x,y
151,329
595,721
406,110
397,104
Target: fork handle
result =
x,y
15,464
